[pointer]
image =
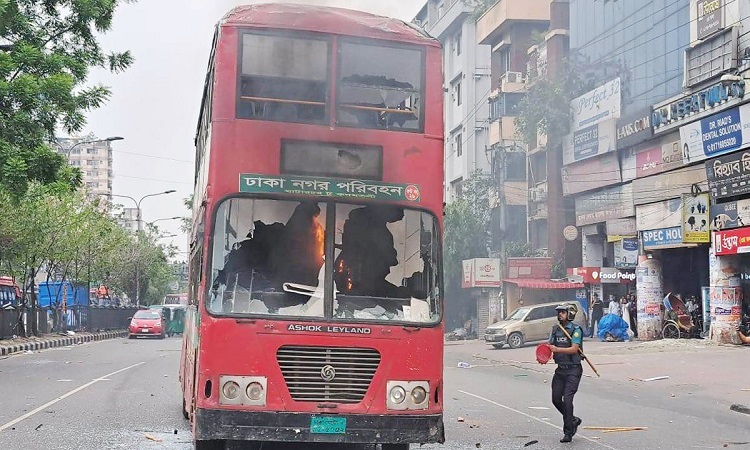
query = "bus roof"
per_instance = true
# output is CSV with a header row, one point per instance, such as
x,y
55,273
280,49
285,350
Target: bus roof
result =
x,y
318,18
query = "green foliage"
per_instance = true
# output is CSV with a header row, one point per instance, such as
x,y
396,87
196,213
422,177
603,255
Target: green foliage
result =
x,y
479,7
518,250
47,50
546,106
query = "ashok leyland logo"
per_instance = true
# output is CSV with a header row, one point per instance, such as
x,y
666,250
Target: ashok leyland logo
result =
x,y
327,373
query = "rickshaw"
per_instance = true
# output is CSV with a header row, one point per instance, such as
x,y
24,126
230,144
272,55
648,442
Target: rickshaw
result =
x,y
677,321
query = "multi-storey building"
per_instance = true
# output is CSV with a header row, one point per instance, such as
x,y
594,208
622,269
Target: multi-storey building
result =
x,y
466,73
94,159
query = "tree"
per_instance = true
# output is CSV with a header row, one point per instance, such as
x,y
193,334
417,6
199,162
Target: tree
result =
x,y
46,51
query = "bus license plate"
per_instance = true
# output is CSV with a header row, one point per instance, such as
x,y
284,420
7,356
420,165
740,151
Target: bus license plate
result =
x,y
328,425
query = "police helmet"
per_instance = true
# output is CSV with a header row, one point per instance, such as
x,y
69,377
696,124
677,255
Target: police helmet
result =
x,y
571,308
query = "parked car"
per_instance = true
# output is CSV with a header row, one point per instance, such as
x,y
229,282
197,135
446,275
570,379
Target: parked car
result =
x,y
528,324
147,322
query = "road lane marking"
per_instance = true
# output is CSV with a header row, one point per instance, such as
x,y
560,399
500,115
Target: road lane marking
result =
x,y
529,416
64,396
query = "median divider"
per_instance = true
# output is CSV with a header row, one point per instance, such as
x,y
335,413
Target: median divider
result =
x,y
18,345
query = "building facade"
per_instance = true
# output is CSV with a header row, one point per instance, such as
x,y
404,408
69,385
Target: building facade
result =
x,y
93,159
466,74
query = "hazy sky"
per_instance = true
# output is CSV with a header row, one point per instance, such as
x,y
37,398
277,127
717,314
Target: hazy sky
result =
x,y
155,103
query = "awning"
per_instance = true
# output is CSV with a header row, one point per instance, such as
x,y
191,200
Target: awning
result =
x,y
543,284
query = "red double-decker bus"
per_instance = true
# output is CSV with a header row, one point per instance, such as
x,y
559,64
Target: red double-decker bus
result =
x,y
315,303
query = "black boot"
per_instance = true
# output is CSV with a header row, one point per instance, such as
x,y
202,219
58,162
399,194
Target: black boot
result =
x,y
578,423
567,438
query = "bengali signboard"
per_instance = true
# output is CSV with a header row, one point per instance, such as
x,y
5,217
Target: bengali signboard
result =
x,y
328,187
716,135
577,177
726,304
710,17
729,175
607,204
481,272
730,215
696,218
596,106
732,242
538,268
590,141
619,229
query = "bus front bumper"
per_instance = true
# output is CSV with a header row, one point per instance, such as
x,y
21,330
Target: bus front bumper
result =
x,y
226,425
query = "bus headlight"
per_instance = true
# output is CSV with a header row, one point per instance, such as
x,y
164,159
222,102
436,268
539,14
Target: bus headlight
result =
x,y
407,395
418,395
243,390
231,390
254,391
397,395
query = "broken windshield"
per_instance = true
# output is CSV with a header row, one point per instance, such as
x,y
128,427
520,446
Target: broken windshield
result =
x,y
269,259
380,86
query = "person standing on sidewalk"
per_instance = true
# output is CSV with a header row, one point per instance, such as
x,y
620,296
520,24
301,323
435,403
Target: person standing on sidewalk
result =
x,y
614,306
566,352
597,312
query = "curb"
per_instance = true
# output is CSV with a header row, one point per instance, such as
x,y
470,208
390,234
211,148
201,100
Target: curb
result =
x,y
61,341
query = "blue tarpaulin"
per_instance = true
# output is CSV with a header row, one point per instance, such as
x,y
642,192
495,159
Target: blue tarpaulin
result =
x,y
614,325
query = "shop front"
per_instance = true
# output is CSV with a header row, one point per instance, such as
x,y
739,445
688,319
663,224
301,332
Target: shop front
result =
x,y
606,282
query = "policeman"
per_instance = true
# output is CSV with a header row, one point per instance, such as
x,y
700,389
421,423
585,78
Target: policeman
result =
x,y
568,374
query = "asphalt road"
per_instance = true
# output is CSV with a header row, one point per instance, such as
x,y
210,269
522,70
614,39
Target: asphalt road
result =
x,y
118,394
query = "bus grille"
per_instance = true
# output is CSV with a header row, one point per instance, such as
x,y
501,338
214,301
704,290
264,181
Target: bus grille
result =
x,y
306,369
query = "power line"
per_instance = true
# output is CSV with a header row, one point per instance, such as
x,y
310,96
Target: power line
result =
x,y
153,156
117,175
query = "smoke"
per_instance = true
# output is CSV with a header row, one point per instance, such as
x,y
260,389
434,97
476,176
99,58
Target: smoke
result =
x,y
400,9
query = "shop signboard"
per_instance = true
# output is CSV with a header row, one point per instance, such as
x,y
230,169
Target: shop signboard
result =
x,y
652,161
729,175
674,113
732,242
589,142
607,204
481,272
619,229
626,253
634,128
669,185
577,177
538,268
596,106
729,215
588,275
695,219
716,135
710,17
662,238
664,214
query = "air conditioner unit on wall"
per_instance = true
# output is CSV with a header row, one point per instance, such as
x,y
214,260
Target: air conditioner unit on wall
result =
x,y
512,77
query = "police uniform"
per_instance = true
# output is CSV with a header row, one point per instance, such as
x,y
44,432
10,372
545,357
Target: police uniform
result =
x,y
567,375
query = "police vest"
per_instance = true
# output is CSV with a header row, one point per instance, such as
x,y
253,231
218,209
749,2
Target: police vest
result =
x,y
559,339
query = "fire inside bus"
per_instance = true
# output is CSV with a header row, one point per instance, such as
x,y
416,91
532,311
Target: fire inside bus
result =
x,y
315,303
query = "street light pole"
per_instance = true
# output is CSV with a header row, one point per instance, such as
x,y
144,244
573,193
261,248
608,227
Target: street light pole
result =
x,y
67,151
138,237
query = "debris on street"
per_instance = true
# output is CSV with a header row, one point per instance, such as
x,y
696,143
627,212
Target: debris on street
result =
x,y
615,429
153,438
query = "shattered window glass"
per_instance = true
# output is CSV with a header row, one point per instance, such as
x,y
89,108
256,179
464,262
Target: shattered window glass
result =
x,y
386,265
380,87
283,78
268,258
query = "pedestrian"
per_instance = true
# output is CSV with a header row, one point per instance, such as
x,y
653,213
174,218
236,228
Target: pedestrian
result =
x,y
614,307
597,312
745,339
634,315
566,352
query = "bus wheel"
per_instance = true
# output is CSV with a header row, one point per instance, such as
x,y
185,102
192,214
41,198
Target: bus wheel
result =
x,y
394,446
209,445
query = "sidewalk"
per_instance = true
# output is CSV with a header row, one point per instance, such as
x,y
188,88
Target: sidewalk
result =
x,y
10,346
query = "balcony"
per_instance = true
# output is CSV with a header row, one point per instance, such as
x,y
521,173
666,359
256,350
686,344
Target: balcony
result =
x,y
503,129
491,25
457,11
